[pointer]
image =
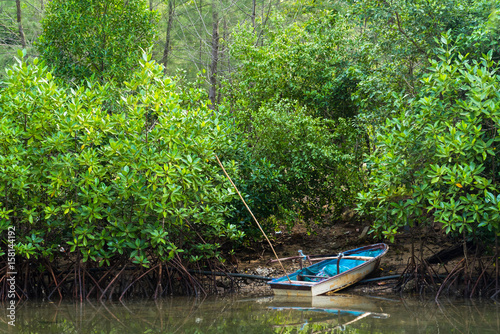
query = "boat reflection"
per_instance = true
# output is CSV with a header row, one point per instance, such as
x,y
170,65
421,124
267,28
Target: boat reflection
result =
x,y
326,313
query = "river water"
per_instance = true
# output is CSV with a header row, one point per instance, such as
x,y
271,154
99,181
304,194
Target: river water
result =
x,y
323,314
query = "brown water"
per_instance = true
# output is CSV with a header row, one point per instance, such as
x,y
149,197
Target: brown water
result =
x,y
339,314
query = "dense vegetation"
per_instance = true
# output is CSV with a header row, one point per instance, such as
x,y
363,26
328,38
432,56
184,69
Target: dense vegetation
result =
x,y
104,39
109,138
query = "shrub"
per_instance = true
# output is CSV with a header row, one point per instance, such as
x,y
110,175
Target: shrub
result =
x,y
318,159
435,161
308,63
104,39
138,182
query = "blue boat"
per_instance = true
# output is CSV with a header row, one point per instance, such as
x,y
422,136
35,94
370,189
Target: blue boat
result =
x,y
332,273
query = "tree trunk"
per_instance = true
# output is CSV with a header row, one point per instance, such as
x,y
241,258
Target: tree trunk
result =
x,y
20,25
222,55
212,94
254,5
168,42
200,51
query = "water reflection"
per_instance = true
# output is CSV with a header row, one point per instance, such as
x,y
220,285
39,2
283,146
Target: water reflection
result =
x,y
335,314
328,313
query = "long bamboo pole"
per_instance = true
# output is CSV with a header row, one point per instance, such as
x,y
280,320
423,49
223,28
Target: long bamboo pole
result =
x,y
347,257
255,219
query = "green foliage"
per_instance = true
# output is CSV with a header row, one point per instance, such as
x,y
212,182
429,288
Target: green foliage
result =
x,y
428,140
139,182
485,35
318,159
104,39
435,160
398,37
312,87
291,100
305,62
258,180
412,25
296,165
255,177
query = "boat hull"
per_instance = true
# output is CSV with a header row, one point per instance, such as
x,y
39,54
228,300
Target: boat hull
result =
x,y
296,288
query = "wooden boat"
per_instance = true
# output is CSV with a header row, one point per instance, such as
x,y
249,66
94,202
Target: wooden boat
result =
x,y
332,273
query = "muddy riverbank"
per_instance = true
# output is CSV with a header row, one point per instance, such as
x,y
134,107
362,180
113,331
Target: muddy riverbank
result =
x,y
411,246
